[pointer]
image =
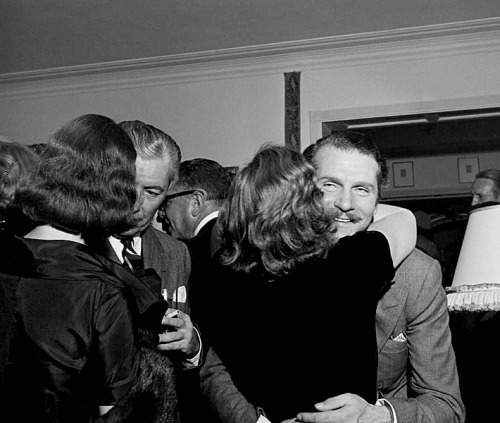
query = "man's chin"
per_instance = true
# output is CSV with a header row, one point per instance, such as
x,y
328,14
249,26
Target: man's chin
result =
x,y
136,230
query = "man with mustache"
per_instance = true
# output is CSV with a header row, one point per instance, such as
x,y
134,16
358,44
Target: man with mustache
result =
x,y
417,374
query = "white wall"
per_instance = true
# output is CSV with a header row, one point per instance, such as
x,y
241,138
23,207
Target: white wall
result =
x,y
222,119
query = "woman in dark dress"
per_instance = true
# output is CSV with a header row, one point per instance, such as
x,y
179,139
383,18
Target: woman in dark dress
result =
x,y
77,349
298,306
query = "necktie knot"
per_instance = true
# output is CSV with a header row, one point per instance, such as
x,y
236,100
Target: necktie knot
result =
x,y
130,257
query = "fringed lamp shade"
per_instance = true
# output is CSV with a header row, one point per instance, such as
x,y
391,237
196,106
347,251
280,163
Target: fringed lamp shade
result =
x,y
476,282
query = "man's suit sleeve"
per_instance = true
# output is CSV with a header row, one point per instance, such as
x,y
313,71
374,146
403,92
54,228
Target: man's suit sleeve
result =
x,y
434,393
226,400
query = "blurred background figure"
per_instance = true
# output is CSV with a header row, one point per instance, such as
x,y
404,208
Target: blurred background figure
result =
x,y
486,187
17,161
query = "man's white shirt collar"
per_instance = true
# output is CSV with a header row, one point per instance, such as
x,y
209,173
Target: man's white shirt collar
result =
x,y
118,246
205,220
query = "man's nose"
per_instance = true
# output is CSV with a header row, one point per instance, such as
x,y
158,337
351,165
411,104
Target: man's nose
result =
x,y
344,201
139,200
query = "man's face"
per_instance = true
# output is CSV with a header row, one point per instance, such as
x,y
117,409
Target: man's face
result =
x,y
152,185
483,190
178,220
348,180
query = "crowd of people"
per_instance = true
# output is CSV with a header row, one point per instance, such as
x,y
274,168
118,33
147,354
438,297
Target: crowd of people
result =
x,y
287,293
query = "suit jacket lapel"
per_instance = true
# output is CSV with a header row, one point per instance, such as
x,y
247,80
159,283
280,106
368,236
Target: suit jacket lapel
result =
x,y
389,309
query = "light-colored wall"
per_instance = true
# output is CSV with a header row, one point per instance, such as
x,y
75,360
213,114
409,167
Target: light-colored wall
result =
x,y
222,119
226,110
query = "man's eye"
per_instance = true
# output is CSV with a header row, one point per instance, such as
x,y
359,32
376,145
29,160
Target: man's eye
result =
x,y
152,193
362,190
328,186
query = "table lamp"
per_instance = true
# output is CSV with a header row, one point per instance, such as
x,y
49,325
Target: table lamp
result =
x,y
476,281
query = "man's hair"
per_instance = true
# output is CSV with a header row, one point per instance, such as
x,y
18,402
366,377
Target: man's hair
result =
x,y
151,142
17,162
85,183
493,175
275,217
205,174
351,141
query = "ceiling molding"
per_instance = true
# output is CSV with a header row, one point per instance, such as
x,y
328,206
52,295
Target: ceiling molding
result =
x,y
396,45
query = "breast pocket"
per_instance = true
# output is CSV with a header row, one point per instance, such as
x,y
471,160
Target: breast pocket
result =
x,y
392,361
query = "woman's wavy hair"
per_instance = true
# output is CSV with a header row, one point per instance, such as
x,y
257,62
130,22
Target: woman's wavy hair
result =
x,y
85,183
17,162
275,216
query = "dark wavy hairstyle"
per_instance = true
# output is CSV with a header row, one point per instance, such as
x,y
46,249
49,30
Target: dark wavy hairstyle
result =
x,y
351,141
275,215
17,161
85,183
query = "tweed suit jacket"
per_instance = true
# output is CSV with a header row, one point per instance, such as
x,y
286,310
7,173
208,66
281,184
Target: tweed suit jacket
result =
x,y
171,260
417,370
416,358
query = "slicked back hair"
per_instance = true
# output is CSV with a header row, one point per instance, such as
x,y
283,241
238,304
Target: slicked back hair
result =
x,y
205,174
492,175
151,142
275,217
85,183
351,141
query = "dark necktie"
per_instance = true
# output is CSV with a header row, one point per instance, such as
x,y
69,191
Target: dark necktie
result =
x,y
130,258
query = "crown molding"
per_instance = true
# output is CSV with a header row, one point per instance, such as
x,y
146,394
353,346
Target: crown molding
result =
x,y
460,38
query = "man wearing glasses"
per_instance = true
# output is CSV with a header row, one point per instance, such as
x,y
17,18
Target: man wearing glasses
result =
x,y
189,213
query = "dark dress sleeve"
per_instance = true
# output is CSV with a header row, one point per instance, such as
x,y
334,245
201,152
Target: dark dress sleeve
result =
x,y
370,259
117,348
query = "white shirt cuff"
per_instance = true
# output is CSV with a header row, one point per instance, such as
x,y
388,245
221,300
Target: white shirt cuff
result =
x,y
194,361
383,402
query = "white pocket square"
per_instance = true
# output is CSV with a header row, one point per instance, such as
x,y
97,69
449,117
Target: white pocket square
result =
x,y
400,338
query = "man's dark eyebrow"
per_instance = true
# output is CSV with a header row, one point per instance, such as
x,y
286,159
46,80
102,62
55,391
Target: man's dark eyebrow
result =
x,y
329,178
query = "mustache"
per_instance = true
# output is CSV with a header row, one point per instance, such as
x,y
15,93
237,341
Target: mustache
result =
x,y
353,217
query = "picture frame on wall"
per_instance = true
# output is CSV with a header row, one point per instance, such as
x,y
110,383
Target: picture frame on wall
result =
x,y
403,174
468,167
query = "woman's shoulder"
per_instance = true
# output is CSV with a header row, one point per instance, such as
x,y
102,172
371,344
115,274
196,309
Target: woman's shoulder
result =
x,y
362,240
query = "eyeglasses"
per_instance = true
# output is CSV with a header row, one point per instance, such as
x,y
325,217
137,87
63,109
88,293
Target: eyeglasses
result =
x,y
178,194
